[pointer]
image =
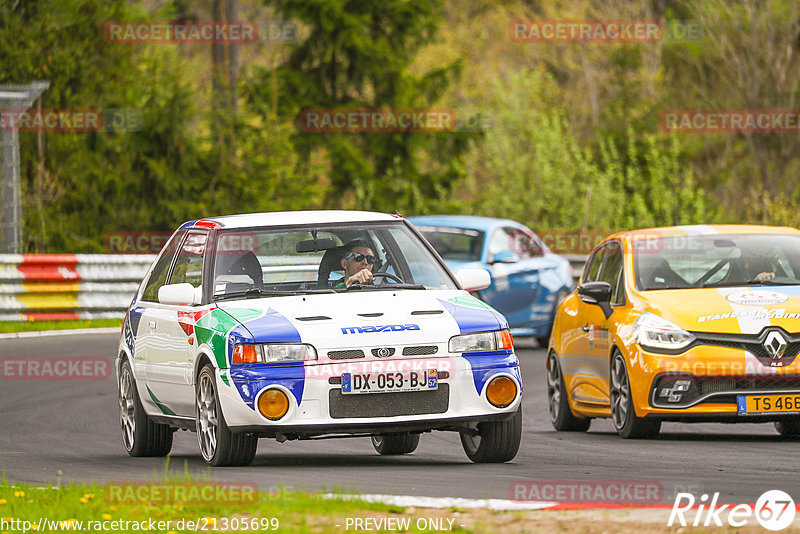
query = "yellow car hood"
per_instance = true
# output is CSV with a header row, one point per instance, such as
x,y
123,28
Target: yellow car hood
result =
x,y
733,310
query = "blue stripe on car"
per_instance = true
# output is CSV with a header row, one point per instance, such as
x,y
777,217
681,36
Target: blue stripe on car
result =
x,y
487,364
271,327
250,380
471,319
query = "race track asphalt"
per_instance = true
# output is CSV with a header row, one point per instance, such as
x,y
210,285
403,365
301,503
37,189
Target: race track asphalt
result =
x,y
72,426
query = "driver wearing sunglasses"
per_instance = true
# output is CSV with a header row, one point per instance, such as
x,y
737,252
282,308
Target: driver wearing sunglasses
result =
x,y
357,263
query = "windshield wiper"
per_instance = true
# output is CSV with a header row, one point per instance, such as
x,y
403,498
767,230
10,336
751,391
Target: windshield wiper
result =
x,y
390,286
773,282
257,293
253,293
753,283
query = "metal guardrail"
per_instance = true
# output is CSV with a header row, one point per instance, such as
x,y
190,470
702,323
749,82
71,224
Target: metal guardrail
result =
x,y
53,287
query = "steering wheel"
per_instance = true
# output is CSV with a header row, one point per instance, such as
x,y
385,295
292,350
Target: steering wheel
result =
x,y
390,276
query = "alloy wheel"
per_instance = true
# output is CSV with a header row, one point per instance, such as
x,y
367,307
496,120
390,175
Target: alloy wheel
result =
x,y
620,393
207,417
127,415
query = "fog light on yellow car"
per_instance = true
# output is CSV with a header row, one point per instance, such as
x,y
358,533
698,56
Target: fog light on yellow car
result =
x,y
501,391
273,404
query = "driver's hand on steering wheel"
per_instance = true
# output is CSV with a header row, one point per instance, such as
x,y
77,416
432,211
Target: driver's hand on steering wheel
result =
x,y
763,277
364,276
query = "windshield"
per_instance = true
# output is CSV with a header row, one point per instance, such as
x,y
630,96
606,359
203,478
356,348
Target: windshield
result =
x,y
717,261
309,259
454,243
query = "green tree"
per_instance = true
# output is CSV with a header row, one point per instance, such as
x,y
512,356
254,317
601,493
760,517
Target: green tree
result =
x,y
357,54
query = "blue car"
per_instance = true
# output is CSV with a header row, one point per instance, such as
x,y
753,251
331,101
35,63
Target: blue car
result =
x,y
528,281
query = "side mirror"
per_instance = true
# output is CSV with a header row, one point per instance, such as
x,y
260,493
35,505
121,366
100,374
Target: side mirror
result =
x,y
178,294
504,256
598,293
473,279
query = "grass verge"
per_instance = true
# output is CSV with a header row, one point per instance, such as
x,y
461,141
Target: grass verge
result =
x,y
93,508
35,326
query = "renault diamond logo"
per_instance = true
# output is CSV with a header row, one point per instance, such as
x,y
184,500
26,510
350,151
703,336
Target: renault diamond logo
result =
x,y
775,345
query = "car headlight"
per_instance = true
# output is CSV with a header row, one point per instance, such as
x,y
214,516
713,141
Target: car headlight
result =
x,y
653,331
482,342
273,353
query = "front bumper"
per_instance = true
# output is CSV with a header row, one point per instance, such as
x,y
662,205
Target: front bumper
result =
x,y
318,407
715,375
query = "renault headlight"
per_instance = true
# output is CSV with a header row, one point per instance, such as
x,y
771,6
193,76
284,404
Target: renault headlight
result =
x,y
653,331
482,342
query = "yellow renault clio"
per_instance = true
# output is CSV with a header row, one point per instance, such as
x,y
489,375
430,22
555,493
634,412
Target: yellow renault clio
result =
x,y
686,323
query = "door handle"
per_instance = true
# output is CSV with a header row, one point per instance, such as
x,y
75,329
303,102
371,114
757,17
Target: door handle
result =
x,y
152,324
585,328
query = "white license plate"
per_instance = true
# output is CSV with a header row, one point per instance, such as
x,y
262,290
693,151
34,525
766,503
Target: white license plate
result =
x,y
392,382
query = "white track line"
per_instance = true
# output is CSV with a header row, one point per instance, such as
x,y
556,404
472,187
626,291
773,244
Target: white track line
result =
x,y
445,502
44,333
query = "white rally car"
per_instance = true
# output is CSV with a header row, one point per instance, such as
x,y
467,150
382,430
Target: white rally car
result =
x,y
245,327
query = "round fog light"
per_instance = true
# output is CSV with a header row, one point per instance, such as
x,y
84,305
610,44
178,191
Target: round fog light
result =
x,y
273,404
501,391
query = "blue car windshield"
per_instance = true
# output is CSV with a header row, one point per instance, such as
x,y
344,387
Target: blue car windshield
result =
x,y
454,243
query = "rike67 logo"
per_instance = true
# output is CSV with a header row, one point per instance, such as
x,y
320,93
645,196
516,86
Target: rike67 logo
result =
x,y
774,510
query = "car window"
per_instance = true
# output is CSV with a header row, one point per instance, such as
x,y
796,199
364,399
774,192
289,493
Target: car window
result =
x,y
189,264
158,277
499,242
516,240
309,258
524,243
454,243
720,260
612,269
592,268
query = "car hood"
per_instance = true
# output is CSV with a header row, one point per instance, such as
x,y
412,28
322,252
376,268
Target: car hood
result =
x,y
734,310
364,319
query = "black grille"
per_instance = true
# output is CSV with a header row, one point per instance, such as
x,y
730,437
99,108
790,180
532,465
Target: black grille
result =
x,y
720,389
388,404
345,354
421,350
387,352
742,384
754,343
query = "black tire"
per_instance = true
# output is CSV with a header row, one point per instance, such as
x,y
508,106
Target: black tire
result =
x,y
560,412
496,441
623,413
544,341
394,444
789,428
218,445
141,436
